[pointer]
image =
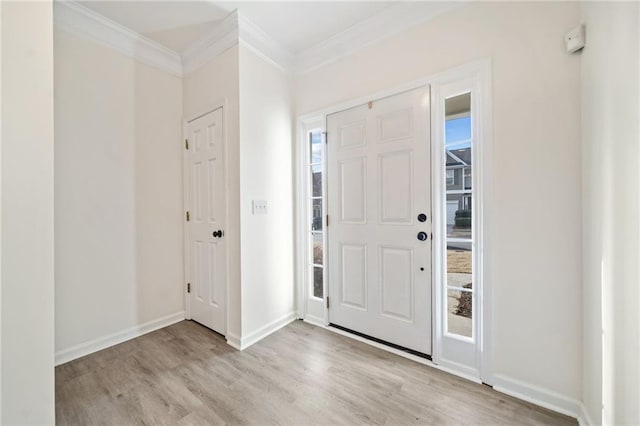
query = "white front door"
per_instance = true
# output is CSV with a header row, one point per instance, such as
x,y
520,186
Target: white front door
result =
x,y
207,249
379,186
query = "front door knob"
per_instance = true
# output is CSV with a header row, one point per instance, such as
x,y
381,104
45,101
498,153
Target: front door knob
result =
x,y
218,233
422,236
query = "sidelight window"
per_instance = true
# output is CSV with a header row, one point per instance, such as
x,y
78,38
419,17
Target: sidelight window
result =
x,y
315,225
458,146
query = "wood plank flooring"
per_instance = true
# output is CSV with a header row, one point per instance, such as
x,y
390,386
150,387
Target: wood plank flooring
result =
x,y
186,374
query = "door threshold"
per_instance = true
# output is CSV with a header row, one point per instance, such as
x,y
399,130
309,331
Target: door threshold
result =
x,y
383,342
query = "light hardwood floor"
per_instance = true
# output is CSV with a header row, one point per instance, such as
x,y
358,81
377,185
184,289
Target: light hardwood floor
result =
x,y
186,374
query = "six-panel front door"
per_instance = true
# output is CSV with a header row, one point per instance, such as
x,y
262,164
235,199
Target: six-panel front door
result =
x,y
207,219
379,205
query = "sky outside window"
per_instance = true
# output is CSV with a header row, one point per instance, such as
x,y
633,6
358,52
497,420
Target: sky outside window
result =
x,y
458,130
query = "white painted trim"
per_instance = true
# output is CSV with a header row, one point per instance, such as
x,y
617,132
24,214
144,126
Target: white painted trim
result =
x,y
311,319
236,29
95,345
244,342
221,38
474,77
257,40
233,341
385,24
542,397
1,68
428,80
583,417
302,220
81,21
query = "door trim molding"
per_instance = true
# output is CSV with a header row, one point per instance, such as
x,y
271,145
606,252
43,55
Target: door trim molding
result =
x,y
185,203
475,78
482,68
302,239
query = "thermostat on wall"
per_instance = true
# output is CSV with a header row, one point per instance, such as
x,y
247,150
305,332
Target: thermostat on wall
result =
x,y
574,39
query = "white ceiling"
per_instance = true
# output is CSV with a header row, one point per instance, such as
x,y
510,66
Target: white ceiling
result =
x,y
295,25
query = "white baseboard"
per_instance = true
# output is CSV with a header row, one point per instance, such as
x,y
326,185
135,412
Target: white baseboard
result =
x,y
244,342
320,322
539,396
233,340
584,419
100,343
524,391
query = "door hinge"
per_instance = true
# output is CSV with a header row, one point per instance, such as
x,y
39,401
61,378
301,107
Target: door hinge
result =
x,y
186,144
188,216
326,138
188,287
327,220
327,302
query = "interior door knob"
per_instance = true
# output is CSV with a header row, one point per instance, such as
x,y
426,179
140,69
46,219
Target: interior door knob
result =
x,y
218,233
422,236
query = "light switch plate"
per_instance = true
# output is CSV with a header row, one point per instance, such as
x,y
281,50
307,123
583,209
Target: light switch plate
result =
x,y
259,206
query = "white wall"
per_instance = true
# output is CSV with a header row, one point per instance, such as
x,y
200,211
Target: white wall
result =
x,y
118,192
214,82
537,314
258,120
27,388
266,174
611,139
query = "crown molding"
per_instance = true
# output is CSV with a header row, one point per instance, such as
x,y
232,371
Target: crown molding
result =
x,y
236,29
86,23
222,36
383,25
262,44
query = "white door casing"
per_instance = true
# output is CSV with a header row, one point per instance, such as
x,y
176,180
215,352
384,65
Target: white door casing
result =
x,y
206,203
379,181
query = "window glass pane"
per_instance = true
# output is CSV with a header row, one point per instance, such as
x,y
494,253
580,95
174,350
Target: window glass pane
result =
x,y
316,181
457,161
451,178
459,264
467,178
458,180
317,282
459,312
316,248
316,214
315,140
459,217
458,129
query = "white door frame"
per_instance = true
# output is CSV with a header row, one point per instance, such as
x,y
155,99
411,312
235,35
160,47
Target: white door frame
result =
x,y
480,70
187,190
302,266
452,349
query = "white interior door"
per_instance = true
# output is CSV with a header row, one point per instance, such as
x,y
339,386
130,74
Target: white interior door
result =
x,y
207,249
379,182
